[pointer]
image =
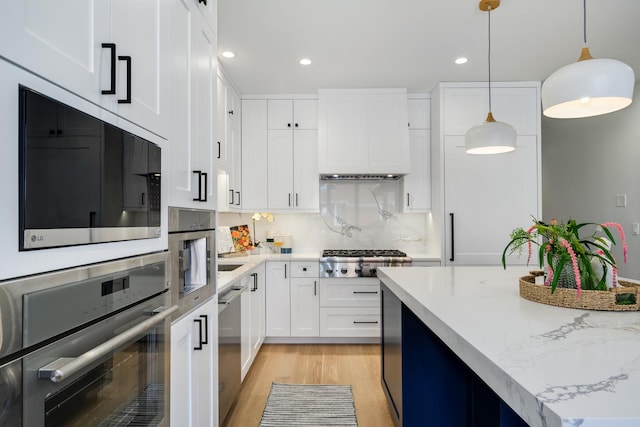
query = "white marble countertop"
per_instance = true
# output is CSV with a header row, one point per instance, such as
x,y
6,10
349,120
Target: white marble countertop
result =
x,y
554,366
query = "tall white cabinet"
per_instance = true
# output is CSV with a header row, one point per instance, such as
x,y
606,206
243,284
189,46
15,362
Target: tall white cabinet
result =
x,y
482,198
229,152
192,148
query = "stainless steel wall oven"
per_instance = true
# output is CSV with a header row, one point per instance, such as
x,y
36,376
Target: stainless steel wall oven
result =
x,y
86,346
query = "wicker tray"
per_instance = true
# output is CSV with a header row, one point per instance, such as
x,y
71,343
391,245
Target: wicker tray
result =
x,y
588,300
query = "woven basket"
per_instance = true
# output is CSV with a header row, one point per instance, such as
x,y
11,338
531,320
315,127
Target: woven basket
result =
x,y
588,300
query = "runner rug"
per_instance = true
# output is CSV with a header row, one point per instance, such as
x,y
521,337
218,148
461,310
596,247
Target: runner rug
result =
x,y
309,405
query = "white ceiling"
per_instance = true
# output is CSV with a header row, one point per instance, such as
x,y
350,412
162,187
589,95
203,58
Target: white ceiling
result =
x,y
413,43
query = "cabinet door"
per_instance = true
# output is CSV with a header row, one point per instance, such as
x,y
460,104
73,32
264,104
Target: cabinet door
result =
x,y
488,196
209,9
234,132
139,31
257,309
417,184
60,41
305,308
278,321
221,126
254,155
245,329
191,146
280,114
182,366
306,187
305,114
280,160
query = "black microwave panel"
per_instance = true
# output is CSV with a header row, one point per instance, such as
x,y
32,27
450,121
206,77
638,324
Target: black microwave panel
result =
x,y
81,174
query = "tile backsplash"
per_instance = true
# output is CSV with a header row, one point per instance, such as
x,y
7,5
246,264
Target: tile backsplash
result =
x,y
353,215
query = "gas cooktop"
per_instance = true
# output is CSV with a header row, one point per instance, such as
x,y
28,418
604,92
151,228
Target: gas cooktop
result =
x,y
339,263
359,253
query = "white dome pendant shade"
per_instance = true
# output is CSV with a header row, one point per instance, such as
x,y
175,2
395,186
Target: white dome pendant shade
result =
x,y
589,87
490,137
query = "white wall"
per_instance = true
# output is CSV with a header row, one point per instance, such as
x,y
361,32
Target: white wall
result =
x,y
348,203
585,164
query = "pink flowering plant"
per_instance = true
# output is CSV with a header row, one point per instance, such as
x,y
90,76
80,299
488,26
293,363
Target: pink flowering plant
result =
x,y
561,244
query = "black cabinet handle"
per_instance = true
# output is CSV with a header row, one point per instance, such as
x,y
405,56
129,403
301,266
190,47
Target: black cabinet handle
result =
x,y
127,100
288,125
206,329
199,346
407,199
232,198
285,271
231,112
255,282
199,198
452,238
296,125
365,292
356,322
203,1
315,287
112,88
238,193
296,199
219,149
289,199
206,191
142,200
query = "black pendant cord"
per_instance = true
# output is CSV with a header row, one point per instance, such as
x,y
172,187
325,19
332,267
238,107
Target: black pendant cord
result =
x,y
584,21
489,56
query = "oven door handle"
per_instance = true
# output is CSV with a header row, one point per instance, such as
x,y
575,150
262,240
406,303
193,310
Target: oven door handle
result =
x,y
64,367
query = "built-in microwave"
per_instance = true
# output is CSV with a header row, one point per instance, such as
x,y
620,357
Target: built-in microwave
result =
x,y
83,180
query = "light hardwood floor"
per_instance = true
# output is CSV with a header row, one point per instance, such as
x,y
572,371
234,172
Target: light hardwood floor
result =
x,y
357,365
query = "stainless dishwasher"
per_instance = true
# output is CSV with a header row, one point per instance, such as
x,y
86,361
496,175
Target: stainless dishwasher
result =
x,y
229,359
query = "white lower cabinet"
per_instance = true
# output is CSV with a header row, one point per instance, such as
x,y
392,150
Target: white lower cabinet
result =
x,y
194,367
305,307
350,307
252,324
278,299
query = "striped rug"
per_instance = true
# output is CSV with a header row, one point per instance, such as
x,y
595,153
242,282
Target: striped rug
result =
x,y
309,405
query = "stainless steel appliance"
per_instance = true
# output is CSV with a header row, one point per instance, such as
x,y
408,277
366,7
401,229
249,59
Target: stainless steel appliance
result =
x,y
86,346
83,180
229,349
338,263
191,257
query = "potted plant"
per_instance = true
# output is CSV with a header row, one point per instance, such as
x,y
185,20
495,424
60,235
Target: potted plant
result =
x,y
573,261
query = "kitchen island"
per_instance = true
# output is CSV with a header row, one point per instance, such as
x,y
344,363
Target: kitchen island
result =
x,y
551,366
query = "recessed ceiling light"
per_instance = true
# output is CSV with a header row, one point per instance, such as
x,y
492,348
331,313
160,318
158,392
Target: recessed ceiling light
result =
x,y
305,61
461,60
228,54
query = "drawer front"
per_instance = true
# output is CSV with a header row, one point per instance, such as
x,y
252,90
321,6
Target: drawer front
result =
x,y
305,269
341,295
350,322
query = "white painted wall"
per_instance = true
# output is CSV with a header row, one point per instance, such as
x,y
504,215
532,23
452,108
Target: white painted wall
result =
x,y
585,164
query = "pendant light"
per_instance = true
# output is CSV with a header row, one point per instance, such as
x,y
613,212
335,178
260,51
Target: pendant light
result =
x,y
490,137
589,87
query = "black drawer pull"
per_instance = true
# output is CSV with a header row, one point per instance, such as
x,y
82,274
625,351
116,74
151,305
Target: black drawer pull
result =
x,y
112,88
357,322
199,346
365,292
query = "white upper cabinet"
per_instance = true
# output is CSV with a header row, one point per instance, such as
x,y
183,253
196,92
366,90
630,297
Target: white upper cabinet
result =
x,y
110,52
228,150
417,184
363,131
254,154
293,114
209,9
192,148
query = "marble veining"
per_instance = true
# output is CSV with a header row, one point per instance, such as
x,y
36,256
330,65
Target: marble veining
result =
x,y
564,330
558,393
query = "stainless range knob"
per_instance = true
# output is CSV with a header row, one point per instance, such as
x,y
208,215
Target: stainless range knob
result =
x,y
329,271
373,271
344,271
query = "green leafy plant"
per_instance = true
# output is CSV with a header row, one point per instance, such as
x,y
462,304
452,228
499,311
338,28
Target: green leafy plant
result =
x,y
560,244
